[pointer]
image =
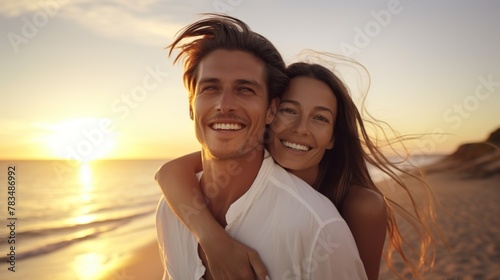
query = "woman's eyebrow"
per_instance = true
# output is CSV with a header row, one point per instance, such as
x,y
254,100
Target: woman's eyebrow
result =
x,y
322,108
290,101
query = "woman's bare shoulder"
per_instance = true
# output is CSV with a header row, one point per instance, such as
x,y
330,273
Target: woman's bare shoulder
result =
x,y
364,203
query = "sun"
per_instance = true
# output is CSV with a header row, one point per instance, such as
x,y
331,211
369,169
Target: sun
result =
x,y
81,139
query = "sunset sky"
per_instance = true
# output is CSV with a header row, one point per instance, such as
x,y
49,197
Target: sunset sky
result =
x,y
91,79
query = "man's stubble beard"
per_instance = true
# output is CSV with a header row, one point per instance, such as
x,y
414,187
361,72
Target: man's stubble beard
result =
x,y
250,145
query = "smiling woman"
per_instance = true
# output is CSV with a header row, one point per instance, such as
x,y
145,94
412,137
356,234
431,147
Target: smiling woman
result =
x,y
82,139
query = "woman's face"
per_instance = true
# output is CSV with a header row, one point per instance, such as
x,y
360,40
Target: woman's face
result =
x,y
303,127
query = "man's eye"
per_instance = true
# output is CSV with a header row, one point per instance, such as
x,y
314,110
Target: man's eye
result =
x,y
245,90
208,88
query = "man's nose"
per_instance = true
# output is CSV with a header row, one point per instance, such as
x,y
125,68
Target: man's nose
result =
x,y
226,102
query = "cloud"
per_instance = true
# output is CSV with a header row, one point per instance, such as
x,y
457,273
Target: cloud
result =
x,y
22,131
14,8
148,22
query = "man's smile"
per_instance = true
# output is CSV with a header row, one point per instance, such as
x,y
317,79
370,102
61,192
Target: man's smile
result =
x,y
227,126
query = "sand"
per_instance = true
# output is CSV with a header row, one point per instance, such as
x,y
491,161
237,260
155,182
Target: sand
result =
x,y
472,232
471,227
143,264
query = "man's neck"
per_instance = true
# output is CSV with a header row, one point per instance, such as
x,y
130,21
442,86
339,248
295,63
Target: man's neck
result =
x,y
224,181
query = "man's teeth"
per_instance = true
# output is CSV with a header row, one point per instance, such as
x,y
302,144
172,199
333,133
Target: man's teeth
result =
x,y
226,126
296,146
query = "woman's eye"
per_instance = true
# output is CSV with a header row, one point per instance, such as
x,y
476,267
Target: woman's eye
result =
x,y
287,110
321,118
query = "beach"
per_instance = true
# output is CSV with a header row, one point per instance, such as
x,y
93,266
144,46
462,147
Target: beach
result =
x,y
144,263
471,229
468,220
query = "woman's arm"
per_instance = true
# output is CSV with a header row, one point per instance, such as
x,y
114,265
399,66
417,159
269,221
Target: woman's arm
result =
x,y
227,258
366,215
178,182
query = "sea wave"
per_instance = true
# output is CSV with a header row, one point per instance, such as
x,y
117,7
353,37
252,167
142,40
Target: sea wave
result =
x,y
57,245
77,227
80,233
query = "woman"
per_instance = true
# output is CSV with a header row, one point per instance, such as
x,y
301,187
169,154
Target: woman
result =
x,y
318,135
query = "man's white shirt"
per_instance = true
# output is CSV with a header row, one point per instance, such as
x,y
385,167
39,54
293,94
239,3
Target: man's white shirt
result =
x,y
298,233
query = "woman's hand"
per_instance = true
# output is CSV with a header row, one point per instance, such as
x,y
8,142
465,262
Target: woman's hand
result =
x,y
229,259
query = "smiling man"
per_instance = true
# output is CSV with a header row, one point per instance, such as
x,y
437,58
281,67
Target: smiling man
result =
x,y
234,77
230,107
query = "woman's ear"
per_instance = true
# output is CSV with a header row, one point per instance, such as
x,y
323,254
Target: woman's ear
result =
x,y
271,110
331,144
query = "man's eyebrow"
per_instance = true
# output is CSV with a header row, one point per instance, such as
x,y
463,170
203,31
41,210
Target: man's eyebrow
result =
x,y
208,80
239,82
249,82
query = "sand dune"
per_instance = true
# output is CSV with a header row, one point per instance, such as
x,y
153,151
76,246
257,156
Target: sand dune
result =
x,y
467,185
477,160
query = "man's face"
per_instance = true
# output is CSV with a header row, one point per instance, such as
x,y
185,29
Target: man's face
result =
x,y
230,107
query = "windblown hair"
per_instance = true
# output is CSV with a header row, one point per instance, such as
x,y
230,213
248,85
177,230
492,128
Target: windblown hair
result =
x,y
228,33
345,165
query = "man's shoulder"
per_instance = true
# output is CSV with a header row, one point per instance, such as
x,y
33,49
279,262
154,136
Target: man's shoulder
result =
x,y
288,182
301,195
163,211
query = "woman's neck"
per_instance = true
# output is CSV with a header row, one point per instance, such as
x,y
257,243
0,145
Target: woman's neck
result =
x,y
308,175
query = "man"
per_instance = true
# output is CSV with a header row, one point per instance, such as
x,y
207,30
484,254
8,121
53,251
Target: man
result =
x,y
234,77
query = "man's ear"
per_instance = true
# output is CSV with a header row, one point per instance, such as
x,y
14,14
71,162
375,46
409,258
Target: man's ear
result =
x,y
271,111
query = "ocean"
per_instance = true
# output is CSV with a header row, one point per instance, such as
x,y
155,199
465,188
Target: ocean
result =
x,y
74,220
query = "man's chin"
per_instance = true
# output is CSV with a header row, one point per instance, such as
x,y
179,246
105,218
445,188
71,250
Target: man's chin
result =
x,y
227,153
216,153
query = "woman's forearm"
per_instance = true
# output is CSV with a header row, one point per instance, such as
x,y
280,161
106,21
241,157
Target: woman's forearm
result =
x,y
180,186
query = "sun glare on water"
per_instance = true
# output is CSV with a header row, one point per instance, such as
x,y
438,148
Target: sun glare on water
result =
x,y
82,139
86,195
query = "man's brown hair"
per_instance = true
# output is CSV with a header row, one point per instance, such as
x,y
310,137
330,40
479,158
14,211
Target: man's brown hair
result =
x,y
224,32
